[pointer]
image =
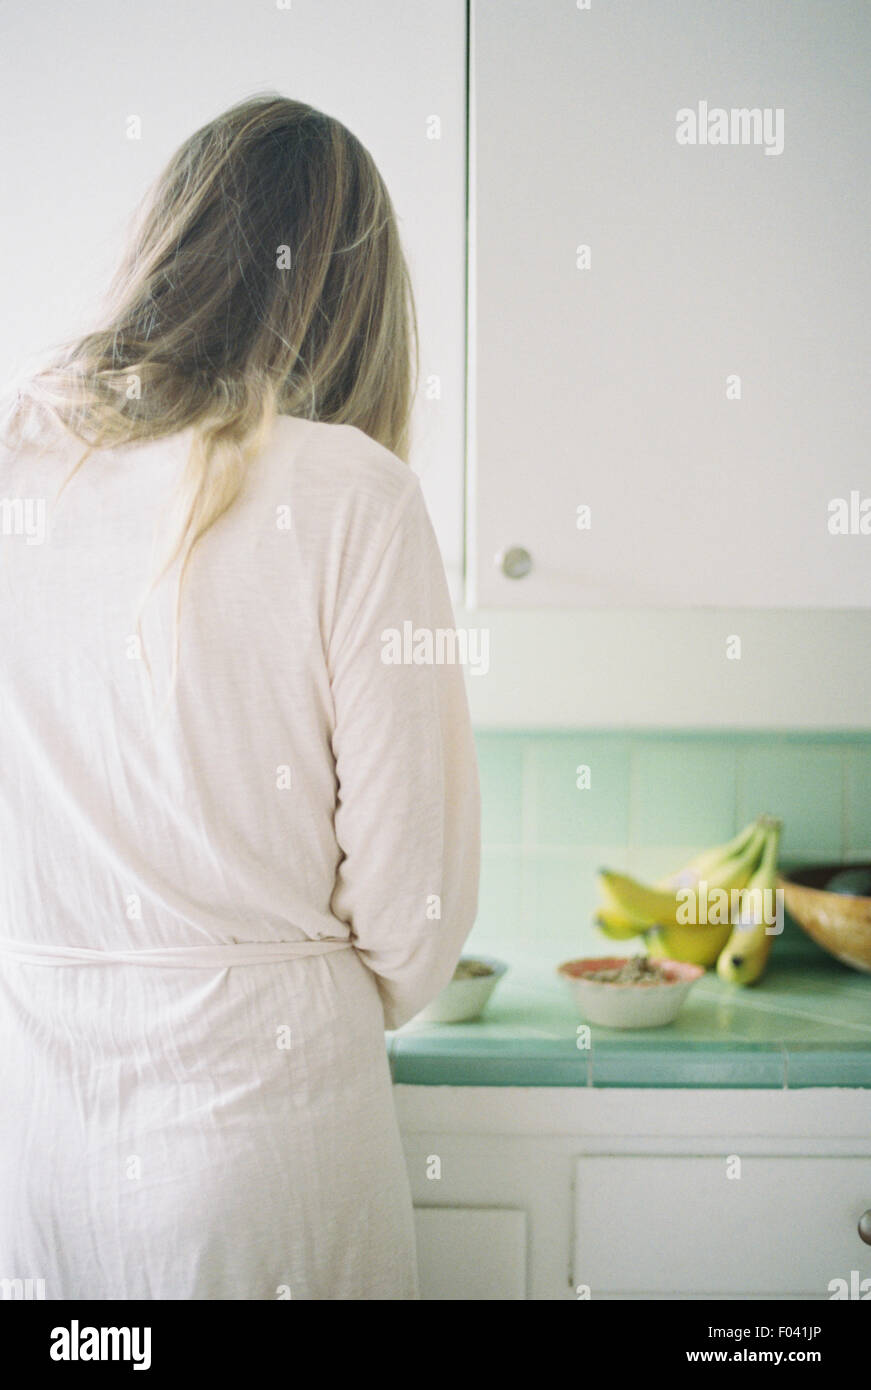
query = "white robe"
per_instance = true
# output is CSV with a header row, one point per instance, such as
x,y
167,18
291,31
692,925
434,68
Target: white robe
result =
x,y
189,1129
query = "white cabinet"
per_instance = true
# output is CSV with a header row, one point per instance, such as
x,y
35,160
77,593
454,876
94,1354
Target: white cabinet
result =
x,y
731,1226
608,378
468,1253
590,1193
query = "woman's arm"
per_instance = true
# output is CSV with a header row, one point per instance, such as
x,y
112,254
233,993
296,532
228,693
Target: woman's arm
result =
x,y
408,810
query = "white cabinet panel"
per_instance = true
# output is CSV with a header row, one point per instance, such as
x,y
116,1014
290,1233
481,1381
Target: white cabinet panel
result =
x,y
471,1253
606,387
679,1225
394,73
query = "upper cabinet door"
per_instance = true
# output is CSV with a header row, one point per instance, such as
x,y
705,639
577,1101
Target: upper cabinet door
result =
x,y
671,303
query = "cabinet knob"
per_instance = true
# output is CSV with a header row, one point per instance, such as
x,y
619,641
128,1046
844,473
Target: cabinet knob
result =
x,y
865,1226
516,562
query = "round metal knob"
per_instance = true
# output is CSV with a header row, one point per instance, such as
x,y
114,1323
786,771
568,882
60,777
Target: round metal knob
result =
x,y
516,562
865,1226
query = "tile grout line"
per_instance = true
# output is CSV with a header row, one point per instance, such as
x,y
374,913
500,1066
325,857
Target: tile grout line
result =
x,y
631,808
845,807
528,819
739,785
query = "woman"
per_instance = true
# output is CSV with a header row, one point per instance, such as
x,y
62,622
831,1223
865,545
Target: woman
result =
x,y
236,844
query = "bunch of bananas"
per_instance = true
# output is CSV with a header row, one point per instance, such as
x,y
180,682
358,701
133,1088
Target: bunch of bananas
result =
x,y
715,910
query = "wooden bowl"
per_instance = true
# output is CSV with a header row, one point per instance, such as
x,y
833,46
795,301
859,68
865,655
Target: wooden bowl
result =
x,y
838,922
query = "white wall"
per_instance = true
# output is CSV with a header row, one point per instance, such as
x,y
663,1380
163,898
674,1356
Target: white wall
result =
x,y
654,669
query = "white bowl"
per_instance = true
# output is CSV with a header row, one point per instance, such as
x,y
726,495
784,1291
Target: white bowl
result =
x,y
629,1005
462,1000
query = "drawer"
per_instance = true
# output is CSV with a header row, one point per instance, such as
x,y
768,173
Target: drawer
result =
x,y
661,1225
471,1253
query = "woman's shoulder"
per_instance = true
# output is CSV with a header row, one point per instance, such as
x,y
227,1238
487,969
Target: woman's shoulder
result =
x,y
342,463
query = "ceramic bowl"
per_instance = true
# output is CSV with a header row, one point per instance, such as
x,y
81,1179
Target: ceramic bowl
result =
x,y
839,922
630,1005
463,1000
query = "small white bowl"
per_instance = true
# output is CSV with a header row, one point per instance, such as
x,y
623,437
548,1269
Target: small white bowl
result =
x,y
463,1000
628,1005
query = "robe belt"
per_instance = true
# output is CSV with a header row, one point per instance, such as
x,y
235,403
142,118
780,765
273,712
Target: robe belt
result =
x,y
207,957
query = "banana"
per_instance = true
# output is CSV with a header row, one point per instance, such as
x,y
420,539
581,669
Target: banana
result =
x,y
745,955
670,906
616,925
615,922
710,859
611,908
699,945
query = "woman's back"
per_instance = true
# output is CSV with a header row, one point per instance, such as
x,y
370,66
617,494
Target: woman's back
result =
x,y
295,789
191,816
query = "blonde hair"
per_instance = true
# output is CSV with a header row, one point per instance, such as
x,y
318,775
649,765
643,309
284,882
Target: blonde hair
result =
x,y
264,277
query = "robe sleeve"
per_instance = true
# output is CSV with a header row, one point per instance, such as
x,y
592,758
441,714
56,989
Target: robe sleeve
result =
x,y
407,814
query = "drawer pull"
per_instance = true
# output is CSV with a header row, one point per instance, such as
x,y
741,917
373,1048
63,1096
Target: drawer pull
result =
x,y
516,562
865,1226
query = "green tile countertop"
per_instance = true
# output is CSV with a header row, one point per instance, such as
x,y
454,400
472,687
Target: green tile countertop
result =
x,y
807,1023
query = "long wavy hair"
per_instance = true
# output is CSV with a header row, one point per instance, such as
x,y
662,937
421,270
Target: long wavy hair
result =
x,y
264,277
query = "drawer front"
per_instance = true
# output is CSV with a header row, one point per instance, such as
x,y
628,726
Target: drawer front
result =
x,y
471,1253
663,1225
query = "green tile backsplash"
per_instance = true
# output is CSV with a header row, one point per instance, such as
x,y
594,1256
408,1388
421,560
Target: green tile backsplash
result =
x,y
652,802
802,785
682,793
559,811
857,804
